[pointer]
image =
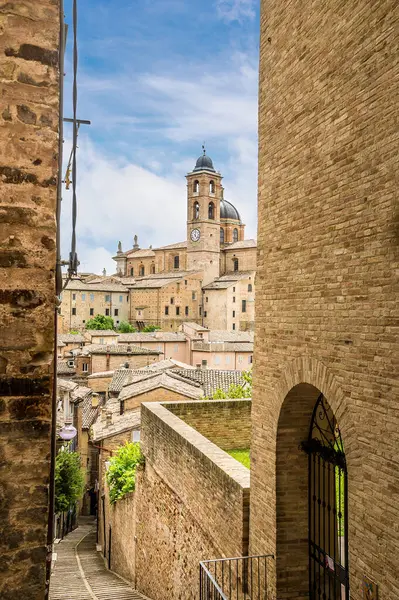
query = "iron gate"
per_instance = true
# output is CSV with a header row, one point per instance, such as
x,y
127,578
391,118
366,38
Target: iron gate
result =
x,y
328,507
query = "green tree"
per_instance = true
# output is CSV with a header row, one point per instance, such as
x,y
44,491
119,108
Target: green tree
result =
x,y
68,480
236,390
100,322
121,474
125,327
150,328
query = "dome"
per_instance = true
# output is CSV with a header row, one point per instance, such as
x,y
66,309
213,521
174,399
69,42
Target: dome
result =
x,y
228,211
204,162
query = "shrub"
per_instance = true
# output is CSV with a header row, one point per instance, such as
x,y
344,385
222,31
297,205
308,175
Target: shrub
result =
x,y
150,328
121,474
100,322
68,480
125,327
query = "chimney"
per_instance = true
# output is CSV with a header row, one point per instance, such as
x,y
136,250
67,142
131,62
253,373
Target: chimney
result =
x,y
108,416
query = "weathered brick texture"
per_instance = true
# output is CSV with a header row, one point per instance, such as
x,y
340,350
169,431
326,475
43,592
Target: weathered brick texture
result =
x,y
326,288
226,423
29,113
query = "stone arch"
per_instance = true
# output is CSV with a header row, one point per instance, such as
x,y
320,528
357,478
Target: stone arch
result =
x,y
301,383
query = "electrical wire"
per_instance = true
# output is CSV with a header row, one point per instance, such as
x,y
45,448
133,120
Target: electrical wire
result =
x,y
73,258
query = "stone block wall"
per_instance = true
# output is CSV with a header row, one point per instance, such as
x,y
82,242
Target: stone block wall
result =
x,y
226,423
29,117
192,505
327,309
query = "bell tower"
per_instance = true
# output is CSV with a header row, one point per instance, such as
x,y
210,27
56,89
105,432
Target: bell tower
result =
x,y
204,192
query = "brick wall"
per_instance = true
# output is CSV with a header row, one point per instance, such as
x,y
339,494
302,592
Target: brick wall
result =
x,y
226,423
326,290
28,186
192,504
103,362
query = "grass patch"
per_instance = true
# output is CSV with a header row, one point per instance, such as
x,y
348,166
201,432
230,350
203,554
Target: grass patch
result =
x,y
242,455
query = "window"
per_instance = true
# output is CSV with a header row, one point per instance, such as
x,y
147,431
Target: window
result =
x,y
234,298
91,297
185,282
92,312
141,271
107,298
83,297
196,187
73,296
234,289
139,313
101,340
235,264
235,235
177,310
107,312
186,311
211,210
205,313
152,270
83,321
250,359
127,298
176,348
244,306
206,299
131,272
204,363
136,435
166,310
200,310
211,187
172,300
176,262
85,367
196,211
227,359
234,326
120,298
221,235
121,407
217,360
240,359
74,311
193,296
116,312
249,287
234,314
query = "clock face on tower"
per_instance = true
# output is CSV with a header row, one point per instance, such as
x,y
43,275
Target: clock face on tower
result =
x,y
195,235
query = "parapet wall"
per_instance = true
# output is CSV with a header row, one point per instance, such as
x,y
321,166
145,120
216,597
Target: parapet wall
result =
x,y
226,423
192,504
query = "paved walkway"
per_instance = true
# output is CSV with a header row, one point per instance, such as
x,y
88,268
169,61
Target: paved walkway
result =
x,y
80,572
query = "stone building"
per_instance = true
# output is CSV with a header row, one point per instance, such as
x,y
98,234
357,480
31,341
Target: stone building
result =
x,y
82,300
325,378
29,150
215,248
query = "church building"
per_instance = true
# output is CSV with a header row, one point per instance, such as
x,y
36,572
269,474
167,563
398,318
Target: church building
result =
x,y
209,278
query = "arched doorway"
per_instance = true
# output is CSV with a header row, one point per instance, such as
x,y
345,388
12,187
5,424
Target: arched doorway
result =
x,y
327,506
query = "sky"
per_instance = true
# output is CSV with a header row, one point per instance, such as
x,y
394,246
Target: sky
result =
x,y
157,79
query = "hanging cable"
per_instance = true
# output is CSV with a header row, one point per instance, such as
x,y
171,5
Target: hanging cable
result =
x,y
73,258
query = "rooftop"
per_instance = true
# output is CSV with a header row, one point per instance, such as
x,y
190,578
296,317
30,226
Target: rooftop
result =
x,y
242,244
153,336
64,369
140,384
213,379
119,423
102,332
71,338
124,349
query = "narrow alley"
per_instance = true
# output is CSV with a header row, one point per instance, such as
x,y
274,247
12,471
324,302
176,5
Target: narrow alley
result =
x,y
80,572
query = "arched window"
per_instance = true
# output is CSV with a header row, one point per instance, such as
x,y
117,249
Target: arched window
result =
x,y
141,271
176,262
211,210
249,287
152,268
131,271
235,264
235,235
196,187
196,210
221,235
212,187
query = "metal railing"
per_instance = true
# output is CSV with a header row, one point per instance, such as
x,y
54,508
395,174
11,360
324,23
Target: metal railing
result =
x,y
65,523
240,578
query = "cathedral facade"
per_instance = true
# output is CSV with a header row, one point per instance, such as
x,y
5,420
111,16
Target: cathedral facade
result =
x,y
209,278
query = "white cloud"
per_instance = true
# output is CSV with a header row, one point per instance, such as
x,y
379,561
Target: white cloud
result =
x,y
143,189
235,10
